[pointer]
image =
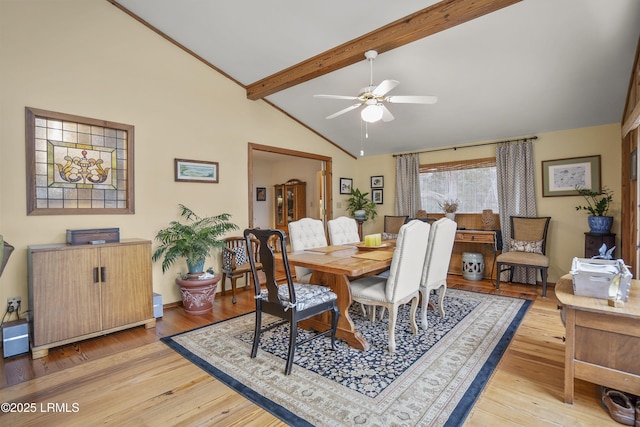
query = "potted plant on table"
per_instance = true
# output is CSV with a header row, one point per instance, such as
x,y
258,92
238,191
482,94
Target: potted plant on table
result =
x,y
449,207
598,206
193,240
360,207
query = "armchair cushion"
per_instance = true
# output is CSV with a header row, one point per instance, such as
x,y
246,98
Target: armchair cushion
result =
x,y
524,258
532,246
227,257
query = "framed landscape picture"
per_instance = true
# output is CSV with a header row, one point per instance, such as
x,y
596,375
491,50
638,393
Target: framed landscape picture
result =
x,y
196,171
561,177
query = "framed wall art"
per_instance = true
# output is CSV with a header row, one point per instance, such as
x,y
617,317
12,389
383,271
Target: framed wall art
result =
x,y
196,171
261,194
78,165
376,196
561,177
377,181
346,184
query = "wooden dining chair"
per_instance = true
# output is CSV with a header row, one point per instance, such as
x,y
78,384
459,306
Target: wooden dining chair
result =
x,y
291,301
235,262
527,248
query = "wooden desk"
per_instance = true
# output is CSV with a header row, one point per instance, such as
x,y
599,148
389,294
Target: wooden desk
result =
x,y
333,267
602,342
467,241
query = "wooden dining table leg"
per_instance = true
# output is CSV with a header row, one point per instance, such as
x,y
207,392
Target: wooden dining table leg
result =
x,y
346,331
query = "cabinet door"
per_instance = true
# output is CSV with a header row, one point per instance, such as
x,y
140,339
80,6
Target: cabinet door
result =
x,y
279,205
66,295
127,291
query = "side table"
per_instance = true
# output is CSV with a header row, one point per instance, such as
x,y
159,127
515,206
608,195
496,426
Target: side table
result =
x,y
601,341
593,242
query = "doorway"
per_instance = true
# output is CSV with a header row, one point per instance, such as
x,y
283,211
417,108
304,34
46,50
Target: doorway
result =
x,y
323,201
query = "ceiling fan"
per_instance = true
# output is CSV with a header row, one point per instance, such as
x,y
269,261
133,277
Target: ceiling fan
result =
x,y
375,97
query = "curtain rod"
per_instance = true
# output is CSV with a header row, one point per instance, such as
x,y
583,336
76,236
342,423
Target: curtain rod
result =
x,y
530,138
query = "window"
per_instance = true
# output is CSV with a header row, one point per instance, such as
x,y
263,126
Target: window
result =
x,y
472,182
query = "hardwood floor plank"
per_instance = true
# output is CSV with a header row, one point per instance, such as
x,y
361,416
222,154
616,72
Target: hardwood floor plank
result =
x,y
131,378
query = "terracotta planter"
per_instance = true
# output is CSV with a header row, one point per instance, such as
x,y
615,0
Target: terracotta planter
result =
x,y
197,295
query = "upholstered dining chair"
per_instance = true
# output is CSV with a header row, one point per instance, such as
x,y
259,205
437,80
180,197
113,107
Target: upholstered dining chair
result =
x,y
436,265
291,301
403,282
526,248
392,224
235,263
343,230
306,233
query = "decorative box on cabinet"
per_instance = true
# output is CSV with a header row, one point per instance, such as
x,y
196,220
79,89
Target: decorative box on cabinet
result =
x,y
83,291
290,203
593,242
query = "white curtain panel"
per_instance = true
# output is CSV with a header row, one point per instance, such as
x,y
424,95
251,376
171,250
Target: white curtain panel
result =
x,y
516,194
408,198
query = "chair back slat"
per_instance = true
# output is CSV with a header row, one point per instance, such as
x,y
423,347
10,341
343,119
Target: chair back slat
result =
x,y
267,258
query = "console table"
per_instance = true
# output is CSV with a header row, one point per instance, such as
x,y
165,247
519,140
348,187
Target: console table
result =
x,y
468,240
601,341
593,242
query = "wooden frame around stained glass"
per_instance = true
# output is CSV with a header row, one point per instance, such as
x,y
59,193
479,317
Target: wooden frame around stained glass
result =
x,y
78,165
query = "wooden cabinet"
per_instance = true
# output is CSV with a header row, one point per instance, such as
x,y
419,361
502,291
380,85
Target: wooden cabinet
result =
x,y
82,291
593,242
601,341
290,203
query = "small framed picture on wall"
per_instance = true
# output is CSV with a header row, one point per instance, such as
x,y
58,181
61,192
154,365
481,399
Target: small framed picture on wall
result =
x,y
376,196
377,181
261,194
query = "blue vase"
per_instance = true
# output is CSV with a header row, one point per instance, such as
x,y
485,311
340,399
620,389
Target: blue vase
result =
x,y
600,224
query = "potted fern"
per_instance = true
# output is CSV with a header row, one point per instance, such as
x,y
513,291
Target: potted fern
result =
x,y
193,240
598,206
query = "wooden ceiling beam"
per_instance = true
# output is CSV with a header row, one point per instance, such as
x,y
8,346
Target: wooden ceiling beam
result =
x,y
433,19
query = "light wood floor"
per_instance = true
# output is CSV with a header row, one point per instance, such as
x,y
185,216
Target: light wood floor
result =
x,y
131,378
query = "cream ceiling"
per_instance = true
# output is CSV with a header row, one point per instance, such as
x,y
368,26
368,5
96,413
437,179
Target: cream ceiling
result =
x,y
531,67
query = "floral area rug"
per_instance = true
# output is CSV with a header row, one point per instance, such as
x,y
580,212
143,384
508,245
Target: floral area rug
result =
x,y
433,378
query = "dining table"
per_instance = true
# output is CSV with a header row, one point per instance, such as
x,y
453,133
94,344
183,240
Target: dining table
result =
x,y
335,267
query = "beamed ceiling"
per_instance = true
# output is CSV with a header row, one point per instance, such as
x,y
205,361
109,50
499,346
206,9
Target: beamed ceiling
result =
x,y
500,68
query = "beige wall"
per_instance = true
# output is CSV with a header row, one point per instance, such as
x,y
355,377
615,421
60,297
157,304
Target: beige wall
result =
x,y
566,232
86,57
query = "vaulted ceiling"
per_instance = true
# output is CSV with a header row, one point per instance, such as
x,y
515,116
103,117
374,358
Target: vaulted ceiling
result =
x,y
500,68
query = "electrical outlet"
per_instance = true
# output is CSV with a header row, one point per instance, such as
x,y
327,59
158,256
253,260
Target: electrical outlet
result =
x,y
13,304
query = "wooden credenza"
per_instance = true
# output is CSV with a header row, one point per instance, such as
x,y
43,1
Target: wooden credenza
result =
x,y
602,342
82,291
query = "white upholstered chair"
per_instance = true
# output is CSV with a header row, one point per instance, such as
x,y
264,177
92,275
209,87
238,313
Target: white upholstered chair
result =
x,y
306,233
436,264
343,230
404,278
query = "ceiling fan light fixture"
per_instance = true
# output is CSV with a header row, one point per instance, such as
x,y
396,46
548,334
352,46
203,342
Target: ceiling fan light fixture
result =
x,y
371,113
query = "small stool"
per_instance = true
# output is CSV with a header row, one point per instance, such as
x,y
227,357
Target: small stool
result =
x,y
472,266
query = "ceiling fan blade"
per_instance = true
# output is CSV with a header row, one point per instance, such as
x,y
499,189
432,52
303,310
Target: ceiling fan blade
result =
x,y
344,110
385,87
412,99
335,97
386,114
